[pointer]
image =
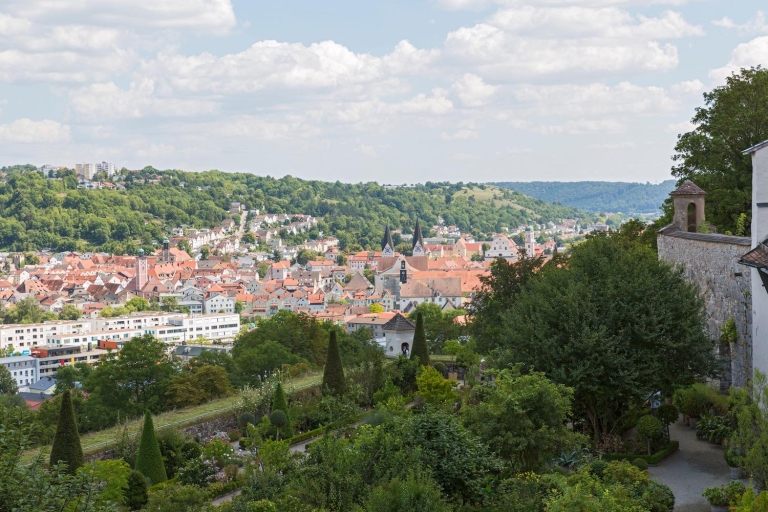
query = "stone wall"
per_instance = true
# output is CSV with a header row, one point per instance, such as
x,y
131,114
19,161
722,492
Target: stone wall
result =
x,y
711,262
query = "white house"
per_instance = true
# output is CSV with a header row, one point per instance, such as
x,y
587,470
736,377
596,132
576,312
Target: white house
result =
x,y
219,303
501,247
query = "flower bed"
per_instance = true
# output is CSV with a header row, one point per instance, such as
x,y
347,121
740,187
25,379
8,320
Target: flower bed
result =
x,y
651,459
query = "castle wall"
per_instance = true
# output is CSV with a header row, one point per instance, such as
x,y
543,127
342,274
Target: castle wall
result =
x,y
711,262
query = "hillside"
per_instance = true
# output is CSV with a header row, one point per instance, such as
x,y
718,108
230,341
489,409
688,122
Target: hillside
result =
x,y
598,196
40,213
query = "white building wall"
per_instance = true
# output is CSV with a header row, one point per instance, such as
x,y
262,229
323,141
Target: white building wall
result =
x,y
759,234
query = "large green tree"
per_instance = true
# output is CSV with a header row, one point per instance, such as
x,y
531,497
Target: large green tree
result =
x,y
8,385
612,322
66,443
734,117
149,460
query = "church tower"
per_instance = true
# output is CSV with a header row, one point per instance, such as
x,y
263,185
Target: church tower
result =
x,y
418,241
141,271
387,247
530,243
166,254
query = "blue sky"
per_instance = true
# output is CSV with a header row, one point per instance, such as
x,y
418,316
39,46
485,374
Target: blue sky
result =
x,y
394,92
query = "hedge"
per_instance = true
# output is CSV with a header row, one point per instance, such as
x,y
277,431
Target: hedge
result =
x,y
309,434
652,459
217,489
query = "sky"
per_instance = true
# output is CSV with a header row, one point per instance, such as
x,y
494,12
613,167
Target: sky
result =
x,y
397,91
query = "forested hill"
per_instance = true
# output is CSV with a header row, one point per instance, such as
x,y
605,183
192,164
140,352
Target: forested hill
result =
x,y
598,196
40,213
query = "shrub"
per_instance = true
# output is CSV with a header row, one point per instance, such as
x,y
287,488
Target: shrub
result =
x,y
640,464
200,472
188,498
244,419
440,367
728,494
149,460
598,467
713,428
230,472
66,444
234,434
219,451
135,494
667,414
655,497
733,458
191,450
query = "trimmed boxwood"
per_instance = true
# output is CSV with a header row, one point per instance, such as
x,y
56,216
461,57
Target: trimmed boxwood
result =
x,y
652,459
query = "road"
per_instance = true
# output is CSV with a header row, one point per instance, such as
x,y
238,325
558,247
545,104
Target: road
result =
x,y
241,229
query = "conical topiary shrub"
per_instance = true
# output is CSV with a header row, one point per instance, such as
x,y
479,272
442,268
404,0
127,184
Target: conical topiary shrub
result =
x,y
333,374
419,348
135,494
149,460
66,444
279,403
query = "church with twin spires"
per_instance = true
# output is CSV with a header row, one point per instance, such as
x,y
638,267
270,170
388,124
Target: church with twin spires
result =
x,y
388,247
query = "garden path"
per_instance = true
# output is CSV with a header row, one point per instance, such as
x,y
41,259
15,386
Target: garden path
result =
x,y
696,466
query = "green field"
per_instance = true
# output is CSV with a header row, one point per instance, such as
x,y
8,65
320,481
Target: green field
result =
x,y
491,193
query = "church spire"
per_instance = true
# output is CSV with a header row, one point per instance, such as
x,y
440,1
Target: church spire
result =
x,y
387,246
418,241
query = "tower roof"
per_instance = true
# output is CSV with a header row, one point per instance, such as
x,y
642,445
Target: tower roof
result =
x,y
387,240
417,234
688,188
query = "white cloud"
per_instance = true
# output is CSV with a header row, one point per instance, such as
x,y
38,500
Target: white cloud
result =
x,y
689,88
465,157
206,15
682,127
437,104
262,129
582,126
613,145
26,131
107,101
455,5
594,99
472,91
366,150
754,26
462,134
745,55
272,64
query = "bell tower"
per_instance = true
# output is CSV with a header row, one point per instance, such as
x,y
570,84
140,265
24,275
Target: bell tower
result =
x,y
141,271
688,201
387,247
418,241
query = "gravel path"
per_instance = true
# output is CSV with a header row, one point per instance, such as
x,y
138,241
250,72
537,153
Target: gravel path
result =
x,y
696,466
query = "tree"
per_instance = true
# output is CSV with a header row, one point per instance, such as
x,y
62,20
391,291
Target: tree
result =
x,y
436,390
26,311
138,304
341,260
613,322
239,306
185,246
734,118
149,460
170,304
333,373
278,419
66,443
419,348
262,268
248,238
522,418
136,495
8,385
376,308
70,312
205,251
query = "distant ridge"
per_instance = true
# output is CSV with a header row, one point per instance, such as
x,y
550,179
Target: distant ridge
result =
x,y
597,196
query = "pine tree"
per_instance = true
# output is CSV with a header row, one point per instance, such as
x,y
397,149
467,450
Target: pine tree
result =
x,y
419,348
333,375
66,444
279,403
149,460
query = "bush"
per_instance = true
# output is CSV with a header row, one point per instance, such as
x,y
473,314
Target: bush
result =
x,y
713,428
733,458
135,494
640,464
655,497
598,467
188,498
219,451
191,450
66,444
440,367
667,414
234,434
728,494
198,472
230,472
149,460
